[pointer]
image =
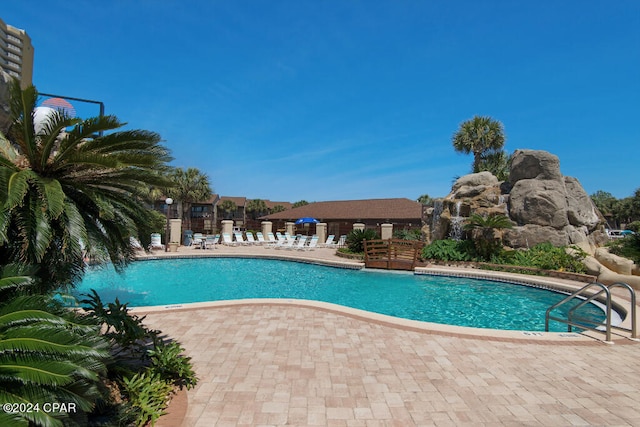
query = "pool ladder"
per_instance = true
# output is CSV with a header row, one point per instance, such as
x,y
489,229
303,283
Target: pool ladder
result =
x,y
573,320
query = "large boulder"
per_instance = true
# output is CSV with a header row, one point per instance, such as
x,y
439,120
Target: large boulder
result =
x,y
580,208
539,202
534,164
473,184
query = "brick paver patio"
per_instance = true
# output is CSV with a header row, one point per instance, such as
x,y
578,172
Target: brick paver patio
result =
x,y
273,364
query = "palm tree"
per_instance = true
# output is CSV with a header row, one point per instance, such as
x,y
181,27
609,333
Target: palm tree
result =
x,y
228,207
47,354
190,186
479,135
496,162
257,207
67,194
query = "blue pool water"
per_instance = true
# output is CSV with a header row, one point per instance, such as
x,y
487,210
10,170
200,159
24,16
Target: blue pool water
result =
x,y
454,301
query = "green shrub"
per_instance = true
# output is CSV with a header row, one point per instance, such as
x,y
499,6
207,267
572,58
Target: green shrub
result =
x,y
449,250
168,362
127,333
547,257
355,239
414,234
148,397
629,247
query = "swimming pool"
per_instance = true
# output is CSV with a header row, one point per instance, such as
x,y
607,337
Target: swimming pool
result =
x,y
448,300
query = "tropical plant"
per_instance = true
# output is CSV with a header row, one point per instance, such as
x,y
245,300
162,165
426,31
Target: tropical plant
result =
x,y
486,233
70,189
148,396
168,361
355,239
277,208
496,162
425,199
47,354
547,257
480,135
449,250
127,335
189,186
413,234
257,208
300,203
228,207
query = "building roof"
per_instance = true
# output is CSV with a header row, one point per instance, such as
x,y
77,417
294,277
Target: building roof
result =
x,y
379,209
239,201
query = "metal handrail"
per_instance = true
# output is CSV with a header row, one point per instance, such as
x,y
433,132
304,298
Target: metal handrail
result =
x,y
572,320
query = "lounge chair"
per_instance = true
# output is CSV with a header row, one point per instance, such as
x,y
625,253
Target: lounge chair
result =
x,y
276,243
279,235
329,242
313,242
300,243
135,244
286,243
156,242
226,240
260,238
250,240
239,239
342,241
197,240
210,242
271,238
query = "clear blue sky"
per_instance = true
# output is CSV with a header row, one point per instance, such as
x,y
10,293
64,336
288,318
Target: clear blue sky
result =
x,y
334,100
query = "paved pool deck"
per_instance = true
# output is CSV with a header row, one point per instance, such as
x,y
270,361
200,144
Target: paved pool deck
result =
x,y
304,363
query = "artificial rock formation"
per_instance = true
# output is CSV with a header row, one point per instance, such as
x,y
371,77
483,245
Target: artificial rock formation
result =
x,y
543,205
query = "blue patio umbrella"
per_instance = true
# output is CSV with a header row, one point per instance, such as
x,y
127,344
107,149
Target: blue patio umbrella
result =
x,y
307,220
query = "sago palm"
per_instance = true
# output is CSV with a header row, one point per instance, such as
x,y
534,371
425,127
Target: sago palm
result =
x,y
70,188
47,354
479,135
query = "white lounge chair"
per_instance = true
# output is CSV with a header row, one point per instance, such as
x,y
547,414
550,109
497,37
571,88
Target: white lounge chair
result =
x,y
313,242
260,238
342,241
156,242
271,238
250,240
329,242
210,242
239,239
226,240
286,244
300,244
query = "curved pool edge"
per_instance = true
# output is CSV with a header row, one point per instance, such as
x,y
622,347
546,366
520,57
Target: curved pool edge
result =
x,y
556,284
385,320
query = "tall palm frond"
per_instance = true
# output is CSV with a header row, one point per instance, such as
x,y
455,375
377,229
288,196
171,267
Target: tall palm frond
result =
x,y
479,135
70,188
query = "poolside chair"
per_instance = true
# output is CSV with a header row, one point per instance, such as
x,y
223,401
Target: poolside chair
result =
x,y
135,244
342,241
156,242
300,244
279,235
239,239
226,240
276,244
329,242
260,238
210,242
313,242
197,240
250,240
286,244
271,238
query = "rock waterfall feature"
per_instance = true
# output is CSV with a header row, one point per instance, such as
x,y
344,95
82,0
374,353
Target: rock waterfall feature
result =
x,y
543,205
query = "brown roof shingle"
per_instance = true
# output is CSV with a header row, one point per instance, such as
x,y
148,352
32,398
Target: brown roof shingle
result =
x,y
382,209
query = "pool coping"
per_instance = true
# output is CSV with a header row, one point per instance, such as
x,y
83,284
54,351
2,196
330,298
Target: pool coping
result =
x,y
555,284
